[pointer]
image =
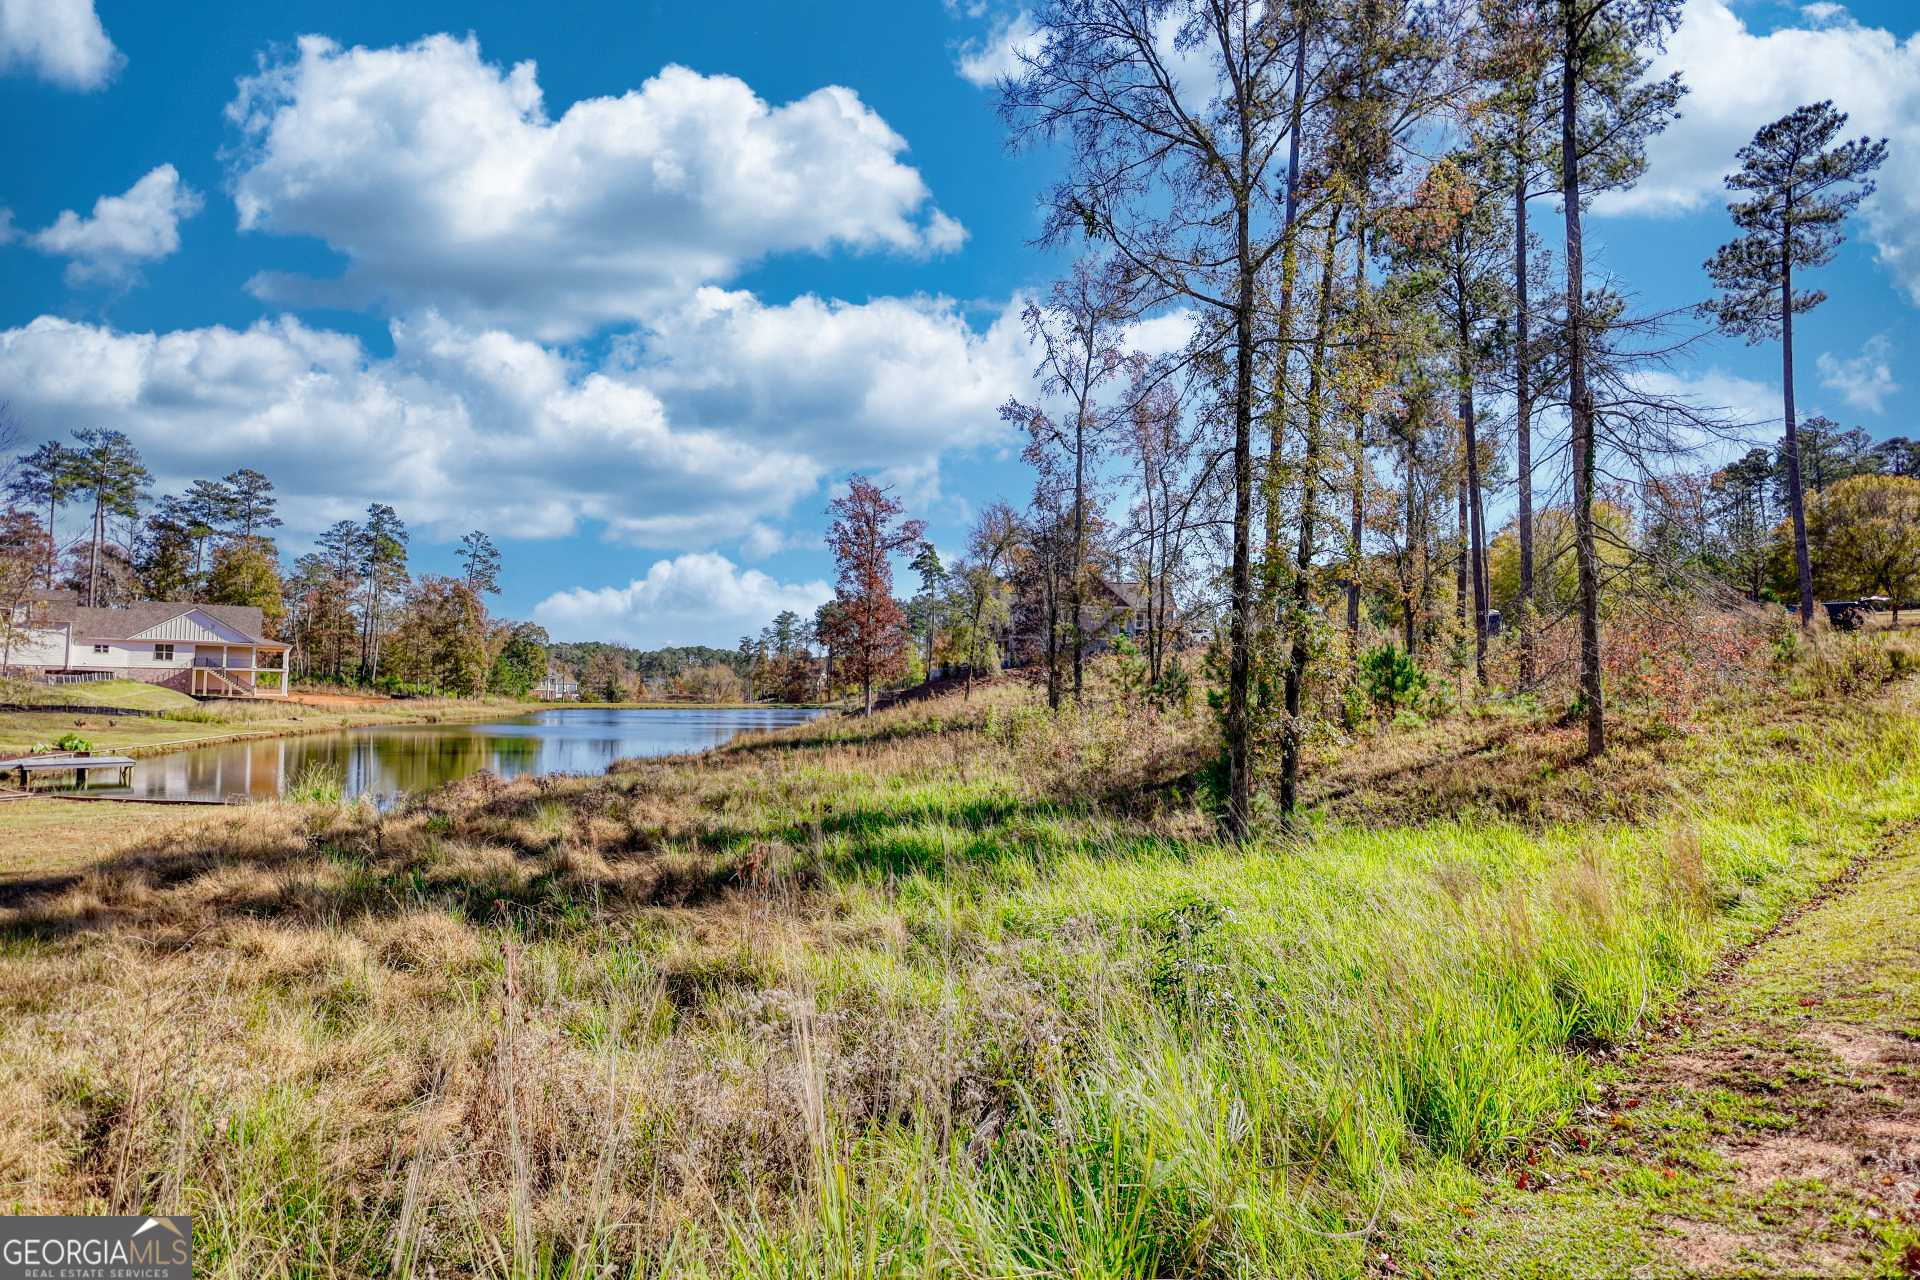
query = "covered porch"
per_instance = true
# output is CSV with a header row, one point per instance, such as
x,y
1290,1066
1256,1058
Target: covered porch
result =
x,y
257,670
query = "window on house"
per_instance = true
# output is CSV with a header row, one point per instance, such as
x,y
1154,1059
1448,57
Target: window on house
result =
x,y
163,653
103,648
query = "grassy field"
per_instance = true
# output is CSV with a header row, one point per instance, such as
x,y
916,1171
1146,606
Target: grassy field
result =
x,y
963,990
1771,1128
135,695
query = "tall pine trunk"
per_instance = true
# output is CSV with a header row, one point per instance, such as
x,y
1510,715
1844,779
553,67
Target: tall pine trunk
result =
x,y
1152,563
1523,414
1796,501
1077,595
1239,728
1289,268
93,555
1580,397
1357,531
1476,535
1460,541
1303,554
1414,537
1476,563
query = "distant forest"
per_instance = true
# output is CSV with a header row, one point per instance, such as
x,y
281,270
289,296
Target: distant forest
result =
x,y
648,664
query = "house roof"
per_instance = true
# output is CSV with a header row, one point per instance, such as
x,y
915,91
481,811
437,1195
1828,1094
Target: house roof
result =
x,y
130,620
1130,592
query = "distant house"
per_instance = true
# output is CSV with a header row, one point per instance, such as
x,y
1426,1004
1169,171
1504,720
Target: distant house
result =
x,y
206,650
557,686
1114,607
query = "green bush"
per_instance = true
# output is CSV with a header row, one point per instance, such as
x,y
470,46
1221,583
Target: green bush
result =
x,y
66,742
1393,681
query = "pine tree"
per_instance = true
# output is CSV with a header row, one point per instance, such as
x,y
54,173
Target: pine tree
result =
x,y
106,469
249,502
1799,188
383,570
933,576
44,478
480,562
1178,190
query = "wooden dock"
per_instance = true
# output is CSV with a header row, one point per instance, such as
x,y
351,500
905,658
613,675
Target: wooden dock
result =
x,y
79,764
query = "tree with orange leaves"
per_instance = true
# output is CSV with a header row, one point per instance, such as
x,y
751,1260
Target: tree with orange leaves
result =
x,y
869,628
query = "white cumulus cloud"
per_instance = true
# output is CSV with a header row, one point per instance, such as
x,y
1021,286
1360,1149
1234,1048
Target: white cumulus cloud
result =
x,y
60,41
879,383
456,428
698,598
1863,381
709,438
987,60
445,183
1748,405
1741,79
123,231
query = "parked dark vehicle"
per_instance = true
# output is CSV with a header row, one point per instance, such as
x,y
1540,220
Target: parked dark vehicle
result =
x,y
1846,615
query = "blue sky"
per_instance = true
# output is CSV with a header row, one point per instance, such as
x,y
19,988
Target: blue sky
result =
x,y
499,266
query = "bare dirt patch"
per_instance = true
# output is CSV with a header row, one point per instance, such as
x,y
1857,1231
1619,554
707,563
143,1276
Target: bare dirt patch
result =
x,y
1863,1047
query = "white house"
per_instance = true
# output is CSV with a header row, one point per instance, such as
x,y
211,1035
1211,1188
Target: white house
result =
x,y
207,650
557,685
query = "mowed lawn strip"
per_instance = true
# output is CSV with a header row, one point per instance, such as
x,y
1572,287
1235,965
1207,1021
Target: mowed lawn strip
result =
x,y
203,723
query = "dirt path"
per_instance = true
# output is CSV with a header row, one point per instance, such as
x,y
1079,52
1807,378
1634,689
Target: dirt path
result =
x,y
1806,1071
1772,1129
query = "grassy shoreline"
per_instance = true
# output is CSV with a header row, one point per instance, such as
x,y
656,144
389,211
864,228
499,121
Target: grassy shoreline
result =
x,y
901,996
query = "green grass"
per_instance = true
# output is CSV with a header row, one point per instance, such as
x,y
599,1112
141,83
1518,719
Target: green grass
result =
x,y
894,998
44,837
134,695
1747,1145
1260,1051
318,784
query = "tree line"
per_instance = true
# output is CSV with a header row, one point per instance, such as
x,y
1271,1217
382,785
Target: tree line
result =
x,y
351,608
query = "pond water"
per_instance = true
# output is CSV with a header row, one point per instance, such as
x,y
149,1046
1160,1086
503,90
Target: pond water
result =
x,y
387,761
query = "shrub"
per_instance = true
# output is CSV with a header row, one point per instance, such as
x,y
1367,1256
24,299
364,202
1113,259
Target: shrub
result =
x,y
1392,680
66,742
318,783
1838,665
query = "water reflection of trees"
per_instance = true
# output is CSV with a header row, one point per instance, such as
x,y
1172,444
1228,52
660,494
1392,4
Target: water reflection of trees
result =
x,y
393,760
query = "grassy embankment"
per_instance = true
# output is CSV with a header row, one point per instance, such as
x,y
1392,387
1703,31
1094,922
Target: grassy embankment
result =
x,y
182,721
964,990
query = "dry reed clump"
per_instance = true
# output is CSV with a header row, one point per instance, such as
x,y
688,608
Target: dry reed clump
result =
x,y
1102,752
